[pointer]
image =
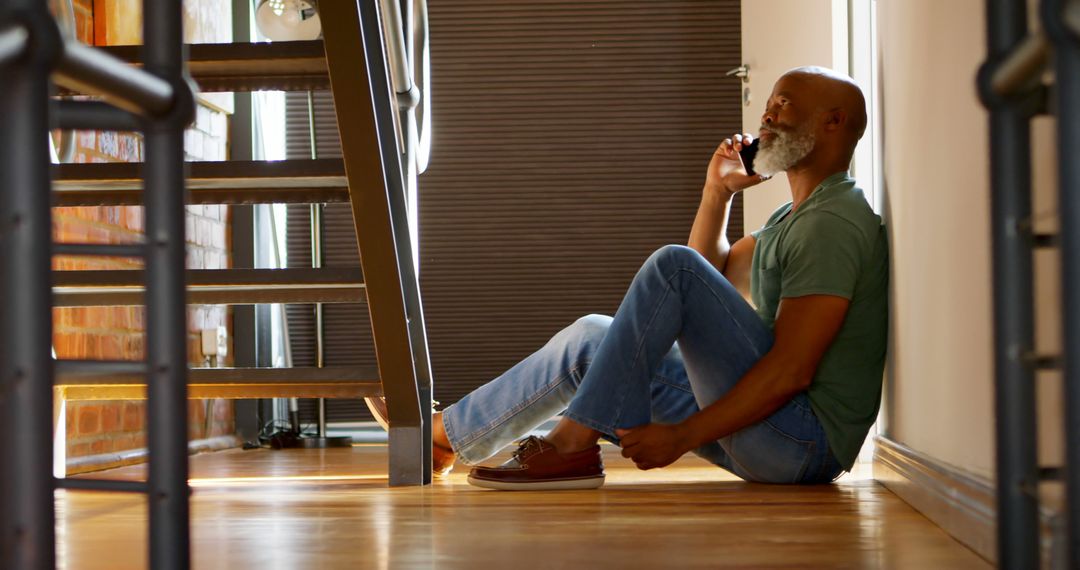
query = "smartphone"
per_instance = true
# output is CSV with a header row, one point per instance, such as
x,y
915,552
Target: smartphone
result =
x,y
748,152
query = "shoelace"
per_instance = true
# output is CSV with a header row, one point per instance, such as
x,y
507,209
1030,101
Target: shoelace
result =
x,y
526,446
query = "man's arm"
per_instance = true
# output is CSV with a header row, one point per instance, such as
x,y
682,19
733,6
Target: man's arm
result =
x,y
725,178
805,327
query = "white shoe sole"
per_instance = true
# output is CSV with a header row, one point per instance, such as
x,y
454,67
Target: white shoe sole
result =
x,y
560,485
375,413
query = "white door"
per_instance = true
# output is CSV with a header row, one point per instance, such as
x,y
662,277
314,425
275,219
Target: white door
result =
x,y
778,35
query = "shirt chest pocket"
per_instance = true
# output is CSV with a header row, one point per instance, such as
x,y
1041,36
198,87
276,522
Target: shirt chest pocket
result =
x,y
770,285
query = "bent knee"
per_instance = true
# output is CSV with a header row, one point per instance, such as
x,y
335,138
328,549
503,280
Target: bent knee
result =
x,y
675,254
591,326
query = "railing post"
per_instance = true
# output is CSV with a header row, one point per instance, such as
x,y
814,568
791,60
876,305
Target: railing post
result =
x,y
166,320
1014,390
26,369
1066,40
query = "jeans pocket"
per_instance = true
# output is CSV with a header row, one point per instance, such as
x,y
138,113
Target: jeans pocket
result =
x,y
765,454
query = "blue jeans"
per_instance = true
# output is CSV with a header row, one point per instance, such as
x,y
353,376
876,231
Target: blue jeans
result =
x,y
681,339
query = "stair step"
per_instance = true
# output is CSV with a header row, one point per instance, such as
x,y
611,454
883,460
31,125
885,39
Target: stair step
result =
x,y
273,66
228,182
232,383
213,287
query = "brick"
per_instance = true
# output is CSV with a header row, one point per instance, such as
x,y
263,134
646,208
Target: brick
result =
x,y
79,450
193,141
100,446
204,232
218,235
89,419
135,220
111,416
219,125
93,346
203,118
121,442
134,416
110,347
86,140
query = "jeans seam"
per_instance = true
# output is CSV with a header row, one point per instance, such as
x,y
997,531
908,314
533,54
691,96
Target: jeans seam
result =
x,y
719,298
640,347
777,429
471,438
812,449
673,384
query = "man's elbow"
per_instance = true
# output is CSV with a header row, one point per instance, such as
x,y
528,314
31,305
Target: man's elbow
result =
x,y
797,375
802,382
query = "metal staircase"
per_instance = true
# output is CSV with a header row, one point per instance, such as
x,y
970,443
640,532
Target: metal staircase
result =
x,y
1012,85
375,176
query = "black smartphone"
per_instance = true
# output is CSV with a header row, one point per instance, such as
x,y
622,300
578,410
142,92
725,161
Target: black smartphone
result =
x,y
748,152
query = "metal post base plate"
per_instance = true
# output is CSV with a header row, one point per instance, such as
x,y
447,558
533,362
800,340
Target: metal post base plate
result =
x,y
323,442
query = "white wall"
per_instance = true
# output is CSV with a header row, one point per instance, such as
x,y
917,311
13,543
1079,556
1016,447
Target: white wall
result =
x,y
778,35
939,396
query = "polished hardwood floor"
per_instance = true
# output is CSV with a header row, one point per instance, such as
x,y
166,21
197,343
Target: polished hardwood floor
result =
x,y
301,509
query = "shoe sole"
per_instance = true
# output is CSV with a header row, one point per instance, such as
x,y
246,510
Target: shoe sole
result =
x,y
554,485
376,409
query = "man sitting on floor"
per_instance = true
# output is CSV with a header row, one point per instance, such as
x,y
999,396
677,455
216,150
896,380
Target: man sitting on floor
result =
x,y
784,393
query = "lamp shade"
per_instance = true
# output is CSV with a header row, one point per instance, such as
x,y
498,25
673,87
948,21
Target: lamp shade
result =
x,y
288,20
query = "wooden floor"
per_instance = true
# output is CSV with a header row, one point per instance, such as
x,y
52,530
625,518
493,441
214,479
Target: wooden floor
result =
x,y
303,509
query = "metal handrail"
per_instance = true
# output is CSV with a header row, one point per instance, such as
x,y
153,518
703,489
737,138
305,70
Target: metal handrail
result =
x,y
94,72
64,13
410,76
422,77
13,42
397,56
1023,65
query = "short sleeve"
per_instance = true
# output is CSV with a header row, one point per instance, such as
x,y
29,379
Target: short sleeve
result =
x,y
820,256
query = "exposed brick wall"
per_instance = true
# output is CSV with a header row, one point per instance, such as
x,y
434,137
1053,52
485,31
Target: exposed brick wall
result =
x,y
117,333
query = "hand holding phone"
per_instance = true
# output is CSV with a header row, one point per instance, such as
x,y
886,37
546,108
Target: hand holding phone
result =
x,y
748,152
732,170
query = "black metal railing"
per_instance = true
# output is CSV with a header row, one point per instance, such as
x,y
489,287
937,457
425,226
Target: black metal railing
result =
x,y
1012,86
158,100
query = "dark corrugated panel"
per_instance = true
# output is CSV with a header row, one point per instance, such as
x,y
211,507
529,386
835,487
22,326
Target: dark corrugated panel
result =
x,y
347,328
571,140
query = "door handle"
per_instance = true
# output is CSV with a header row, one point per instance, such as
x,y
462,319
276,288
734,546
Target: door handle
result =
x,y
742,71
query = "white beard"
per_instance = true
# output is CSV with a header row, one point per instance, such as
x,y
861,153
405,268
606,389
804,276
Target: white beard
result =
x,y
784,150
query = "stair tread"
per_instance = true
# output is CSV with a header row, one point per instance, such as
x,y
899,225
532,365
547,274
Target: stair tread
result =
x,y
276,66
218,182
69,375
214,286
234,383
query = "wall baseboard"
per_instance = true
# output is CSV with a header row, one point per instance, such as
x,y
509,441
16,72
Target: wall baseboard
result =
x,y
961,504
89,463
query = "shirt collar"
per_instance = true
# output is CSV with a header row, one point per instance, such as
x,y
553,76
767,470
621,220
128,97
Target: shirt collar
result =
x,y
833,180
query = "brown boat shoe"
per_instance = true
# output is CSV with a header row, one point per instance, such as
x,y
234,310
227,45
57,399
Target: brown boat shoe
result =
x,y
442,459
538,466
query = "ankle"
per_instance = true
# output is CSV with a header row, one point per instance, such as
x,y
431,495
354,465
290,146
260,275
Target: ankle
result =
x,y
438,432
567,446
570,437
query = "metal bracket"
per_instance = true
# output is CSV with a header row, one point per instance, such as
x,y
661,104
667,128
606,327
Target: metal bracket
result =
x,y
1042,361
1000,89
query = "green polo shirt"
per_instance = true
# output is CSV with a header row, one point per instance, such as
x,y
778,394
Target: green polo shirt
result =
x,y
833,244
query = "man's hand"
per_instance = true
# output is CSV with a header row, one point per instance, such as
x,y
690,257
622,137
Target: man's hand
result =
x,y
653,445
727,173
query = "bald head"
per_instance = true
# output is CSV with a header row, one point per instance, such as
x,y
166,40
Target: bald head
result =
x,y
830,91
